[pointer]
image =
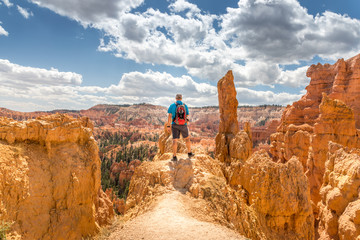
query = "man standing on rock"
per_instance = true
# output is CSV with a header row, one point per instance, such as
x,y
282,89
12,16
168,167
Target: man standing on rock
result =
x,y
178,120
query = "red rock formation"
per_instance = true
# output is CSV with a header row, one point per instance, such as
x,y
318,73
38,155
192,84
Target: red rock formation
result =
x,y
228,105
329,111
230,143
335,123
50,178
119,204
277,193
148,119
338,81
123,170
261,134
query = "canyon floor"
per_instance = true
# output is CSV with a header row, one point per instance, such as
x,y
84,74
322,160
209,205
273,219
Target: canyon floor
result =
x,y
173,215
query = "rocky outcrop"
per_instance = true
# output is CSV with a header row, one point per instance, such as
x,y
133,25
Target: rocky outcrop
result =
x,y
310,143
50,178
336,123
230,143
227,105
277,193
119,204
338,81
256,204
329,111
123,171
340,197
261,134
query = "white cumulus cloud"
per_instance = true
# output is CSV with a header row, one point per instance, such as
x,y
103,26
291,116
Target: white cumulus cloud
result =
x,y
265,32
247,96
15,75
49,89
183,5
153,86
258,40
3,31
24,12
284,32
7,3
89,11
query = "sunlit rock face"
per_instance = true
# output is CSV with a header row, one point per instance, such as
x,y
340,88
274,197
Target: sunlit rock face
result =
x,y
274,198
339,81
329,111
50,178
339,208
230,142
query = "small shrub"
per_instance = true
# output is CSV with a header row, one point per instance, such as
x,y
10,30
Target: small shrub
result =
x,y
4,227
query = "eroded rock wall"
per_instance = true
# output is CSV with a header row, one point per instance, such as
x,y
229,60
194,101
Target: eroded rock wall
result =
x,y
329,111
277,193
50,178
335,123
340,196
339,81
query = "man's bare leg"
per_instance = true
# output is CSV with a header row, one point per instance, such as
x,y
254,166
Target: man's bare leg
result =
x,y
188,144
174,146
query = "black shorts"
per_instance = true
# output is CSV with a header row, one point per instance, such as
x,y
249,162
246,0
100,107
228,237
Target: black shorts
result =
x,y
177,129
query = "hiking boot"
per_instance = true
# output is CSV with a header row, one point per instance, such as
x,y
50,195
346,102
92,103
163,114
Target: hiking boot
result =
x,y
190,154
174,159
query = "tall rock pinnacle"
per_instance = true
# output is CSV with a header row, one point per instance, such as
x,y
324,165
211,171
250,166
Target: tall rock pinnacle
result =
x,y
227,104
230,142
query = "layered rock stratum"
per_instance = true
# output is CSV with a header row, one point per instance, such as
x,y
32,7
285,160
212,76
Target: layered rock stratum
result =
x,y
50,179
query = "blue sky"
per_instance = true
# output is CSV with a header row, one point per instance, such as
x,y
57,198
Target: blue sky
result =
x,y
75,54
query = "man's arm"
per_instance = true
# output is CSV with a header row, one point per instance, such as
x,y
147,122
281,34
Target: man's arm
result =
x,y
168,124
187,114
169,119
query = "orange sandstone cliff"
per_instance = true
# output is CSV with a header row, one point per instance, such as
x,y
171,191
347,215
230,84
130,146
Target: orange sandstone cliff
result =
x,y
50,178
278,193
321,130
329,111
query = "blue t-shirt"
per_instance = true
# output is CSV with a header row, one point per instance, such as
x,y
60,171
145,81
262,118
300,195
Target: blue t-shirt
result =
x,y
172,110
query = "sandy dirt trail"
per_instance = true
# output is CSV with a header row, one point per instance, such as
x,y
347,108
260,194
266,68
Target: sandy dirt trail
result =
x,y
173,216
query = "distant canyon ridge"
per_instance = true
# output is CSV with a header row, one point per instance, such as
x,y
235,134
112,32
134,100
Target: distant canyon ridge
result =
x,y
263,119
